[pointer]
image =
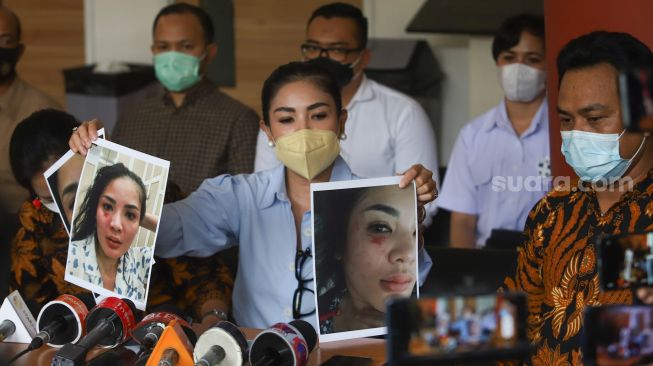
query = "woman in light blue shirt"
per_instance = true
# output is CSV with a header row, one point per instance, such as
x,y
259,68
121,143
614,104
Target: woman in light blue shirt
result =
x,y
267,214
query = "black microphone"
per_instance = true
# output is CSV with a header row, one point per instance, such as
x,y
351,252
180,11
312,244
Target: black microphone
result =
x,y
62,320
110,323
283,344
222,344
149,330
7,329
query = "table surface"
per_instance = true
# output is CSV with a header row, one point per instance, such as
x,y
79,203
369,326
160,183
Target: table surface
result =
x,y
363,347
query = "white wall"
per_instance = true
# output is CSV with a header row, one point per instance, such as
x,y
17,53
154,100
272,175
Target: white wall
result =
x,y
470,86
122,27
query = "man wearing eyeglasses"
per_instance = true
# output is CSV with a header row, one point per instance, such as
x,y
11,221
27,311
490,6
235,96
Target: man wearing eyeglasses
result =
x,y
386,131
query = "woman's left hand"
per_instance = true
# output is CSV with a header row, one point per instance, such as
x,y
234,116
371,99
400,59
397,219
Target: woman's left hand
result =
x,y
426,188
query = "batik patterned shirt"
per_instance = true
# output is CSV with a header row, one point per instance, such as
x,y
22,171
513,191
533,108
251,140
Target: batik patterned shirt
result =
x,y
557,267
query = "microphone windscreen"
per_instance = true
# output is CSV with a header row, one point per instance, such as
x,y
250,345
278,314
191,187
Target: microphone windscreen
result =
x,y
307,331
70,311
87,298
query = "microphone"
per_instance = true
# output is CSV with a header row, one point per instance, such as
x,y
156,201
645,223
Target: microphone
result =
x,y
148,331
7,329
223,344
173,349
110,323
16,321
283,344
62,320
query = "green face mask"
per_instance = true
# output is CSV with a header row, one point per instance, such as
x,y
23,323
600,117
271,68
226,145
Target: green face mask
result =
x,y
177,71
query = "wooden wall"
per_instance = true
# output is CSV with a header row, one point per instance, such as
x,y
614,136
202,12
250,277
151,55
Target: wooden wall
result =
x,y
268,33
53,33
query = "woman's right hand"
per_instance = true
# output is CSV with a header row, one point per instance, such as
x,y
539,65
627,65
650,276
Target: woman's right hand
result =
x,y
84,135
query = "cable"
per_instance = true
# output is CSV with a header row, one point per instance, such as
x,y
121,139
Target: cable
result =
x,y
19,355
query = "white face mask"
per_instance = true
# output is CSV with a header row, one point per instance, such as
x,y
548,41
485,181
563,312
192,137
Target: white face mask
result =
x,y
521,83
52,206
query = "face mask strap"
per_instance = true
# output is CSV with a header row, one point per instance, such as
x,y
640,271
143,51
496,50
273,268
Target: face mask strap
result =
x,y
639,149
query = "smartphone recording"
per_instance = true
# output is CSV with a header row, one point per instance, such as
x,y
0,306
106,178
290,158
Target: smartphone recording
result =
x,y
625,261
457,328
618,335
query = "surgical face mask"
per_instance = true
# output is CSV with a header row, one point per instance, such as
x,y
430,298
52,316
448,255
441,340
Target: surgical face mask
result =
x,y
8,60
52,206
307,152
595,156
177,71
343,73
521,83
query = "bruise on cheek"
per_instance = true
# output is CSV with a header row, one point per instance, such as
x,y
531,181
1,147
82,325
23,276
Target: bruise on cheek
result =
x,y
378,239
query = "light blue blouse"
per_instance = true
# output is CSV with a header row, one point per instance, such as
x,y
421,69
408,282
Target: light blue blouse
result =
x,y
132,274
254,212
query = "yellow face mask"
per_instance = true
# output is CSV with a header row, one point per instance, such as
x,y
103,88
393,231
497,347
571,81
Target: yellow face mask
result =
x,y
308,152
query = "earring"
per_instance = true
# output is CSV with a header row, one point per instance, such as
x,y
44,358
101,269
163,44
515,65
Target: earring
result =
x,y
343,136
270,143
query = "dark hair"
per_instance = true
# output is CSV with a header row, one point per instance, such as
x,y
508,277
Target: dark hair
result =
x,y
510,31
333,210
298,71
85,222
16,19
620,50
199,13
344,10
38,139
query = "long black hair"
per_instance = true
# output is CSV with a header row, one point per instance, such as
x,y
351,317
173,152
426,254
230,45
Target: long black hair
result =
x,y
333,210
37,140
85,221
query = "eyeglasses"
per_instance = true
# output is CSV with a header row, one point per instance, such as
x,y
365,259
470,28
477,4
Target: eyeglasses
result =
x,y
297,298
339,54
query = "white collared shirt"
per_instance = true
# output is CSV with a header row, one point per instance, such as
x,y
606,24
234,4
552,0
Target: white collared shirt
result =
x,y
495,174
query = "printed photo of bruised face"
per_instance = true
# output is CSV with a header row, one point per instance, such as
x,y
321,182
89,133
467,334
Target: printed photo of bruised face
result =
x,y
379,257
365,254
118,217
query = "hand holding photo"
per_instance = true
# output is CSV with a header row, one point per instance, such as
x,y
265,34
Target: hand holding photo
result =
x,y
116,213
365,245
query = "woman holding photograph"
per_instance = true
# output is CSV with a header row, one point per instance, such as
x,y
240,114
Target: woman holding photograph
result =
x,y
366,251
267,214
109,217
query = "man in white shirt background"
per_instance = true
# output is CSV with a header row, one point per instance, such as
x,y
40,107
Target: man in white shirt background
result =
x,y
387,131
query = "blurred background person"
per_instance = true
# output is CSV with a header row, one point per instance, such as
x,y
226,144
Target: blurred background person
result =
x,y
18,99
501,158
39,247
202,131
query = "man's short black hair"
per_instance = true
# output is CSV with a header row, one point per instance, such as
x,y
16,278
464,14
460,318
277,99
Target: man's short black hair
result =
x,y
344,10
16,19
38,139
183,8
620,50
509,33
